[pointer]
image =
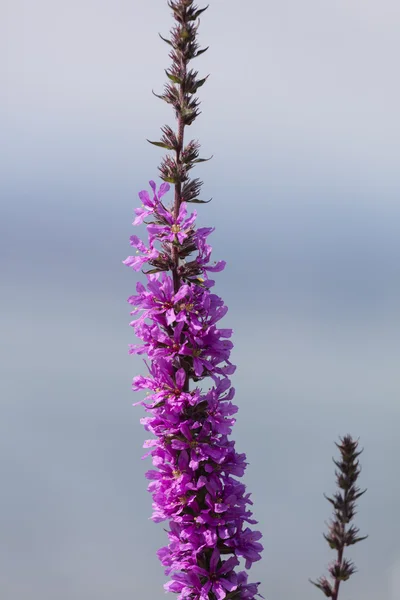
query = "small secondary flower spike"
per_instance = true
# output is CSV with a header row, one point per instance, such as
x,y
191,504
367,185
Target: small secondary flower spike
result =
x,y
194,483
344,504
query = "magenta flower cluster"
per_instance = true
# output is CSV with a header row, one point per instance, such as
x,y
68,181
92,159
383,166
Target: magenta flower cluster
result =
x,y
194,483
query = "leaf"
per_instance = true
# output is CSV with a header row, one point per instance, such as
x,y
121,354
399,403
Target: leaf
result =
x,y
198,201
153,271
159,96
200,160
165,40
199,84
173,78
323,585
356,540
198,13
169,179
201,52
161,145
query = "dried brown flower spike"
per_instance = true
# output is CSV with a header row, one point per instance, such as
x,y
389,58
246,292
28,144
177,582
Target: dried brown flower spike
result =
x,y
340,534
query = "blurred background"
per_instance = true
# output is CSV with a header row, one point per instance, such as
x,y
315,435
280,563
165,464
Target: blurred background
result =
x,y
301,113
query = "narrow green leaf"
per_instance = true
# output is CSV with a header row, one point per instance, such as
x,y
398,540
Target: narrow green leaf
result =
x,y
198,12
158,95
173,78
201,52
198,201
165,40
153,271
356,540
200,160
200,83
161,145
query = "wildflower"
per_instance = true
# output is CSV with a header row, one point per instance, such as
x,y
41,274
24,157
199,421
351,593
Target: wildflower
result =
x,y
176,318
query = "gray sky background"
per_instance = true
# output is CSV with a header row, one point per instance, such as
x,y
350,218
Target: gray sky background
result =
x,y
301,114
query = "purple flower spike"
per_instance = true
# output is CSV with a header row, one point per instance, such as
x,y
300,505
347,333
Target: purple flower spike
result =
x,y
193,482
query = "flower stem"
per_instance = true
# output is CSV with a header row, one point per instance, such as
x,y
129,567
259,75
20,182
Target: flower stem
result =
x,y
340,562
178,184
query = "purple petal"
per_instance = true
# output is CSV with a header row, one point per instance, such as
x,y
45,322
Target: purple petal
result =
x,y
137,243
180,378
145,198
198,366
214,560
164,188
170,315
